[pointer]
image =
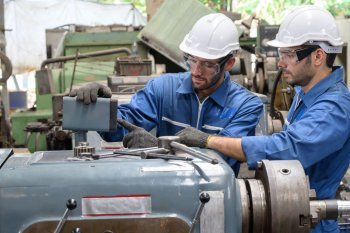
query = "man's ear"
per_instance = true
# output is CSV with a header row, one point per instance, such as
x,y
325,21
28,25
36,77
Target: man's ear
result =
x,y
229,64
320,57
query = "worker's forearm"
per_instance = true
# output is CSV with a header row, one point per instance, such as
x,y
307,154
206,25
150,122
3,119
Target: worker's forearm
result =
x,y
231,147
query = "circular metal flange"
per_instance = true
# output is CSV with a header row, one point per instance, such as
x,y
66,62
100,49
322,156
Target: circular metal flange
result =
x,y
245,205
287,196
258,205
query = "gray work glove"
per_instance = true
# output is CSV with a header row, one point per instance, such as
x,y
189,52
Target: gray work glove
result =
x,y
89,92
193,137
137,137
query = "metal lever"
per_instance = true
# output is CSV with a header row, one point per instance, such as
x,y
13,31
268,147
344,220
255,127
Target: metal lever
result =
x,y
71,205
204,198
170,142
193,152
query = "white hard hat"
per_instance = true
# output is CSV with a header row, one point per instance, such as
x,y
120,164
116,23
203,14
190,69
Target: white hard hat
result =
x,y
212,36
311,25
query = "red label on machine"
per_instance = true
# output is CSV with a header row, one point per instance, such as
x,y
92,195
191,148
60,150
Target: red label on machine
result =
x,y
116,205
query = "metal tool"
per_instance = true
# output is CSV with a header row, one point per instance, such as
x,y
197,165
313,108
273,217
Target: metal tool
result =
x,y
204,199
145,155
71,205
170,142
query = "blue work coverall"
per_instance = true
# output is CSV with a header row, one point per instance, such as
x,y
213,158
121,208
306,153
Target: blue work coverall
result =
x,y
170,104
317,134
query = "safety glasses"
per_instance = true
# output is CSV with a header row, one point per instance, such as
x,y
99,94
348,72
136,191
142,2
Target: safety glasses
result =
x,y
206,66
296,55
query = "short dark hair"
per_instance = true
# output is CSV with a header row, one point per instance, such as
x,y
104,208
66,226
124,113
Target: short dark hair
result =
x,y
330,59
330,56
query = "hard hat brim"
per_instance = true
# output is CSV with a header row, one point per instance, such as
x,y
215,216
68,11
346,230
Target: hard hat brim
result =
x,y
279,44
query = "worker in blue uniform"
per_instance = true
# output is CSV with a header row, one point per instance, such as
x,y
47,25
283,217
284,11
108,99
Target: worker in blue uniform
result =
x,y
317,130
204,97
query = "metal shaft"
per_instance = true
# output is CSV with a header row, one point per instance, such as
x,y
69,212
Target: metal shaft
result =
x,y
62,221
203,198
85,55
71,205
343,208
193,152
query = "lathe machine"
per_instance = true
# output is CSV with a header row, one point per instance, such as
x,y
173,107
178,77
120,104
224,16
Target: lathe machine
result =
x,y
166,189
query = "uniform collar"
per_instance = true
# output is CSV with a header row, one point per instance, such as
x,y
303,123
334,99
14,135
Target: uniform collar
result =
x,y
219,96
336,76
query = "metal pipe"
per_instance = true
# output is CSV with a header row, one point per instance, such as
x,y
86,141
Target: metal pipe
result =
x,y
343,208
329,209
193,152
84,55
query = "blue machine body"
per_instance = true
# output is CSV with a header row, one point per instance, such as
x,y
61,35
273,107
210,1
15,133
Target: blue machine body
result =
x,y
34,189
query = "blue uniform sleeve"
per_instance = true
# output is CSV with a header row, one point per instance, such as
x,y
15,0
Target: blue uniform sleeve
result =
x,y
321,131
141,111
243,124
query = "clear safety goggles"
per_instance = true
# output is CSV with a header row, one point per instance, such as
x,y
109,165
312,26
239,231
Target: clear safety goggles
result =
x,y
296,55
206,66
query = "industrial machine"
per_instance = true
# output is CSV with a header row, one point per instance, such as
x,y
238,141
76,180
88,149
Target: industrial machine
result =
x,y
109,57
153,190
87,57
169,188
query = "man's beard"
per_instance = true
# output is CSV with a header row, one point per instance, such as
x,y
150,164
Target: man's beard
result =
x,y
214,81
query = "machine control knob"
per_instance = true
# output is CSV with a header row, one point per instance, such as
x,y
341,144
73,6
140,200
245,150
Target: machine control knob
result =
x,y
204,198
77,230
71,204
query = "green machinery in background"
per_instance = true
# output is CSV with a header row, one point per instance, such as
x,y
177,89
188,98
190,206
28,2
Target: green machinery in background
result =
x,y
160,39
171,25
29,128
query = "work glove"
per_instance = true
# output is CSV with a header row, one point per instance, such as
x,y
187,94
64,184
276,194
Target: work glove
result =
x,y
89,92
137,136
193,137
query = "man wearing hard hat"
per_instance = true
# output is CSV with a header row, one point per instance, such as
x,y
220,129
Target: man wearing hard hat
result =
x,y
204,97
317,130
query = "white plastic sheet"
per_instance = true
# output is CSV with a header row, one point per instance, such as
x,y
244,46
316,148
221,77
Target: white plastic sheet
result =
x,y
27,20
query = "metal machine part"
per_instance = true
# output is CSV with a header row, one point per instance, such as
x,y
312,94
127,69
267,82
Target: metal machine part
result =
x,y
35,128
204,198
117,194
127,84
84,55
83,149
279,200
100,116
71,205
170,142
126,194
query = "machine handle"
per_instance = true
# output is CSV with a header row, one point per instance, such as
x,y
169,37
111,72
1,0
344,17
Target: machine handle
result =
x,y
71,205
204,198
